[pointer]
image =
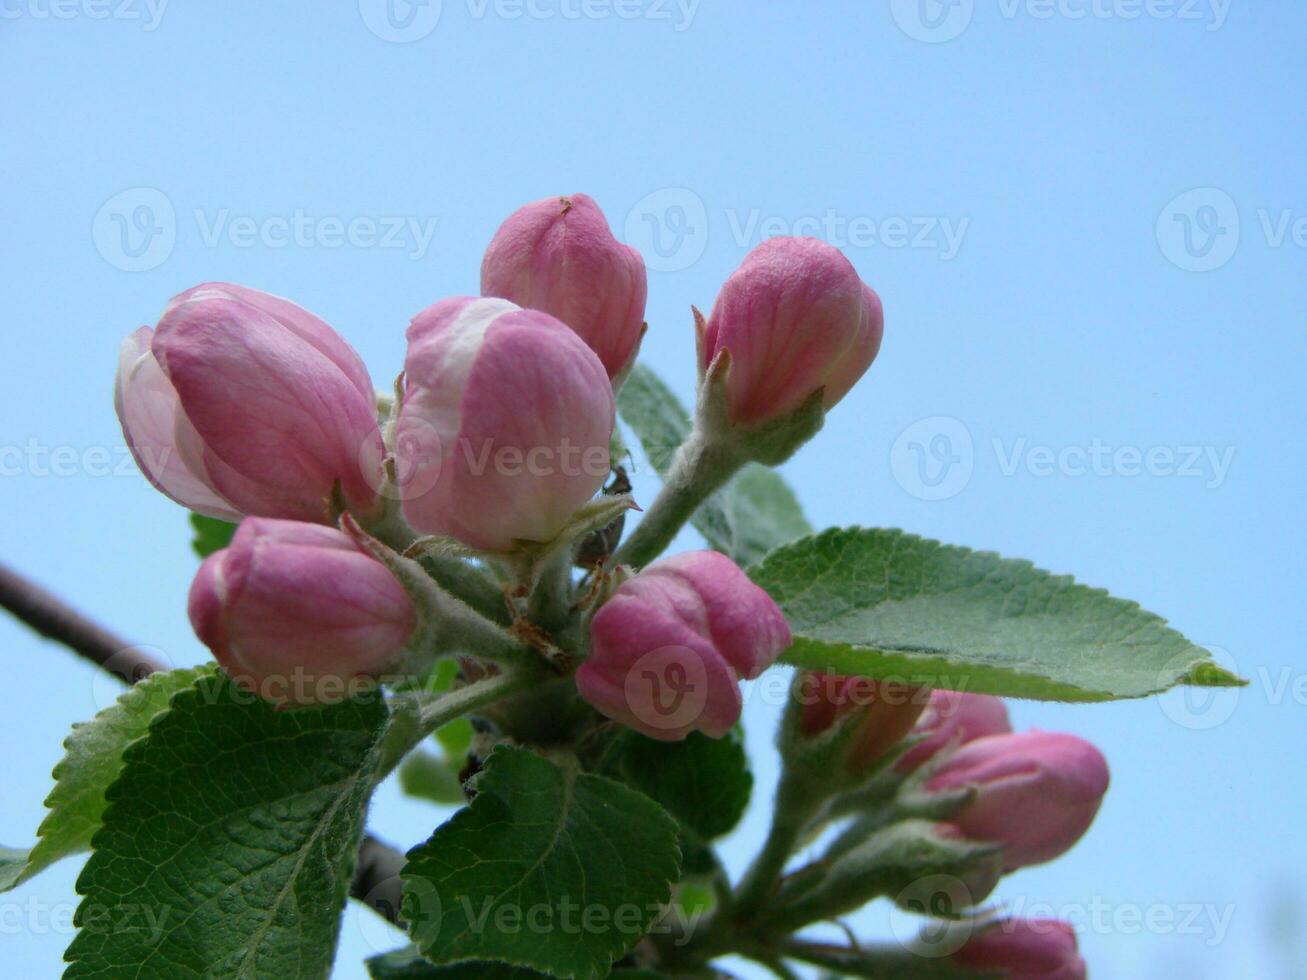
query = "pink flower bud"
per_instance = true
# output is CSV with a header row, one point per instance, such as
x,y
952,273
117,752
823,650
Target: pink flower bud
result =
x,y
888,712
796,319
557,255
150,415
297,613
954,718
505,426
669,648
1028,949
1036,792
270,409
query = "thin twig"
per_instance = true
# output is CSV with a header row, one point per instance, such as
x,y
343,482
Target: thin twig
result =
x,y
376,875
56,620
376,879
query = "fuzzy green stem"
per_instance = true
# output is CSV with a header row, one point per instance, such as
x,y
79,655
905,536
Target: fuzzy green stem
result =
x,y
457,703
701,467
796,805
550,603
463,630
469,584
414,716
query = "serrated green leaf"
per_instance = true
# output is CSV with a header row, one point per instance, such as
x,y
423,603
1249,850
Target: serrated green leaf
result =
x,y
92,760
884,603
703,782
210,534
548,868
747,518
228,841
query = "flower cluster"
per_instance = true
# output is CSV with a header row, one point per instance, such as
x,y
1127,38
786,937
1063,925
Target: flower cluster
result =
x,y
379,533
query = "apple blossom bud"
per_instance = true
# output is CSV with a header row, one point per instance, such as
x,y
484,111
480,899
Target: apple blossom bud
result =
x,y
297,613
796,320
1036,792
953,718
888,712
505,426
557,255
1028,949
150,415
266,408
669,649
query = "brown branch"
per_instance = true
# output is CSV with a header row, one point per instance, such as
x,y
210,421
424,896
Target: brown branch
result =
x,y
56,620
376,876
376,879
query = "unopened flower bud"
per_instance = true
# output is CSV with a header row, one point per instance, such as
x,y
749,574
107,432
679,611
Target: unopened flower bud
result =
x,y
150,415
557,255
669,649
1036,793
1027,949
505,427
887,713
953,718
244,403
796,320
297,613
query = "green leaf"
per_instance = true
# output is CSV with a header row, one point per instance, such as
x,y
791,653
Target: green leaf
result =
x,y
704,783
13,863
548,868
92,760
884,603
748,517
210,534
430,777
229,840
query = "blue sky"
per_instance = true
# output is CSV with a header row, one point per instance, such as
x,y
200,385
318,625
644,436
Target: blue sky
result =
x,y
1085,218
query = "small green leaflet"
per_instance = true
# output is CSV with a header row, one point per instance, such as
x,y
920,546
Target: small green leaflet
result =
x,y
885,603
210,534
748,517
549,868
92,760
430,777
229,840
